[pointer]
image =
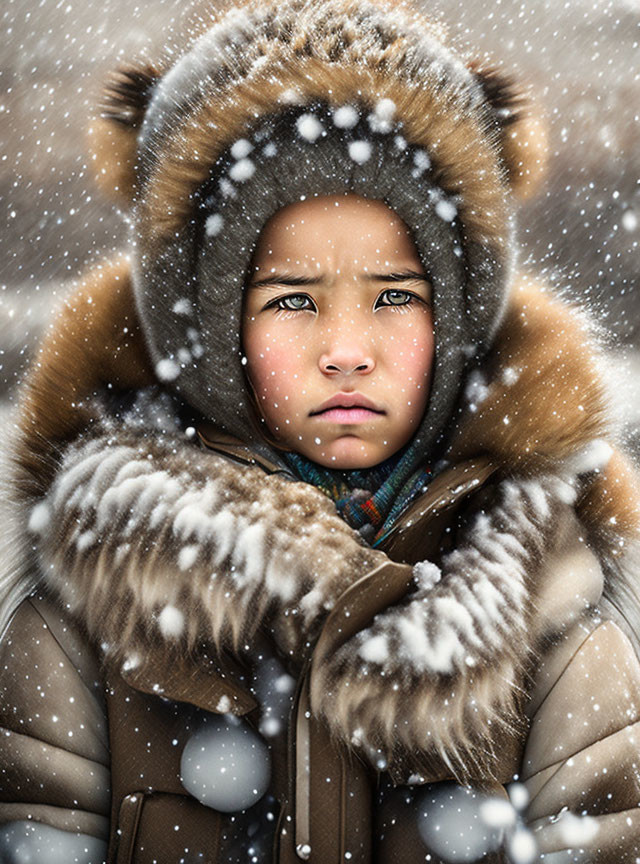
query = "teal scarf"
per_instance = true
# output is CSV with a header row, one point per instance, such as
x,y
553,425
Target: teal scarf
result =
x,y
369,499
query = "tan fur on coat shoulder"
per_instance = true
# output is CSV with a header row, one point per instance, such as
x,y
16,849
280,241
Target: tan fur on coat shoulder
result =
x,y
544,397
94,341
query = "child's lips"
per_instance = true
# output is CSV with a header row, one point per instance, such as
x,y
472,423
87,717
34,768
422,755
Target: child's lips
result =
x,y
357,414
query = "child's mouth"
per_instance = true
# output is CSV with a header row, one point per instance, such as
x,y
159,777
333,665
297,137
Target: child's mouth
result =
x,y
357,414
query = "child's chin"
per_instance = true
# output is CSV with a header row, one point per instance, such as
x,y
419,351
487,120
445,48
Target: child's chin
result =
x,y
348,453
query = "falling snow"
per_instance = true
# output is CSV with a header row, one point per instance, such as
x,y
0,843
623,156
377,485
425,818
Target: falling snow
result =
x,y
580,235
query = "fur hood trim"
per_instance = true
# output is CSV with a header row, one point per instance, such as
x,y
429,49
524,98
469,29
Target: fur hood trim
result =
x,y
155,545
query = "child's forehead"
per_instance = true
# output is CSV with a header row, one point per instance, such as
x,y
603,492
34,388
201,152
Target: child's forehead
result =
x,y
336,232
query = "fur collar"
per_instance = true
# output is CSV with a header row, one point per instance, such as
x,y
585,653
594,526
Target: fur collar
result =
x,y
154,545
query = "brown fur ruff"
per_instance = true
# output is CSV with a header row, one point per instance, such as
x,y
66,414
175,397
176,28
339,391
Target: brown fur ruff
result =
x,y
546,395
94,342
464,161
472,152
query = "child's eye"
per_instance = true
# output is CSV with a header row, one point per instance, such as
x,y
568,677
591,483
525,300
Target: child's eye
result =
x,y
394,297
293,303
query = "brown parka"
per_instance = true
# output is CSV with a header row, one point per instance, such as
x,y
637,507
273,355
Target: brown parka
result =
x,y
97,699
492,639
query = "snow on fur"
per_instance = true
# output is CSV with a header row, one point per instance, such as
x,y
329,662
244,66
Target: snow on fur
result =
x,y
346,117
213,225
252,29
147,502
464,629
309,127
360,151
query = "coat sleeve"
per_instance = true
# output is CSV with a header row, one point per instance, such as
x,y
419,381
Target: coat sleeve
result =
x,y
582,761
54,750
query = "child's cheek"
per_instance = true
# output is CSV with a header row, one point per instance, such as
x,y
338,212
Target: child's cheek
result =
x,y
274,371
410,355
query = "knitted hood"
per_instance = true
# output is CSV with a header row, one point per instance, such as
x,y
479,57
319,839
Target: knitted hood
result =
x,y
276,102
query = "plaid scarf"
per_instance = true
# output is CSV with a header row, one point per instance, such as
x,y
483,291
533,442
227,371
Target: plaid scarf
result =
x,y
369,499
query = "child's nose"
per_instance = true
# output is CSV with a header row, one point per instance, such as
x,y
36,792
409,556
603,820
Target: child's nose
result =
x,y
346,360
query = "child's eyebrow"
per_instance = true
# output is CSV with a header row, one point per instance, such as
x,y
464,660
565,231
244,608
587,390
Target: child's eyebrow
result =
x,y
286,279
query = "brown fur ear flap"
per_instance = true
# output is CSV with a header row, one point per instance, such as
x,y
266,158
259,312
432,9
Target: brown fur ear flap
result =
x,y
113,134
523,131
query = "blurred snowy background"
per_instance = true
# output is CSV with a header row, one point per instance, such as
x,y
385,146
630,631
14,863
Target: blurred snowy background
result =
x,y
580,59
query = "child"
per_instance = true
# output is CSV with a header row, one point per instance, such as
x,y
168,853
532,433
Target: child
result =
x,y
326,547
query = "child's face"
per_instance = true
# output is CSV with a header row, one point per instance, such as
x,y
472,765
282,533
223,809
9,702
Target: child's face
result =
x,y
326,315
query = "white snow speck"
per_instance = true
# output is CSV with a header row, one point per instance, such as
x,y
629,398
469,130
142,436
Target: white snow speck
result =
x,y
518,795
522,847
241,148
421,160
446,210
360,151
270,727
85,540
132,661
167,369
224,705
401,142
510,375
309,127
226,765
290,97
242,170
39,518
497,813
269,150
427,574
214,223
284,684
375,649
450,824
183,305
594,456
577,831
385,109
345,117
382,118
171,622
187,556
476,390
227,188
629,220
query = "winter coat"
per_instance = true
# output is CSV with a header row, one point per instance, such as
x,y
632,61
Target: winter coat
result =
x,y
492,639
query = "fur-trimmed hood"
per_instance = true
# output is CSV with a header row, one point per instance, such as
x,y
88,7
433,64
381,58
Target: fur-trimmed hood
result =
x,y
156,545
275,102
